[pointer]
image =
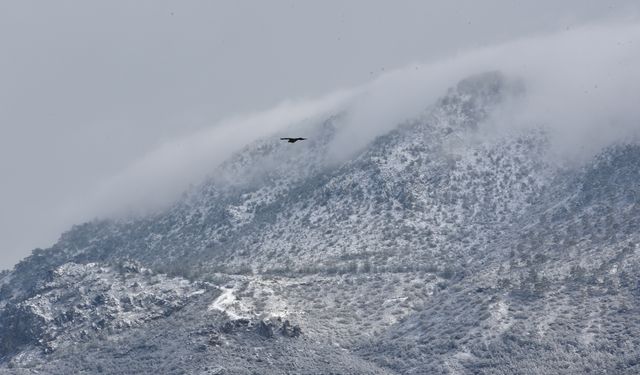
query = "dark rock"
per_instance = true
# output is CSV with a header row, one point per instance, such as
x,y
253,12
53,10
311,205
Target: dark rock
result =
x,y
289,330
227,327
215,340
265,329
241,322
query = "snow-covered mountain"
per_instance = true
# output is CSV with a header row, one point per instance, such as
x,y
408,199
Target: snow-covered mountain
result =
x,y
438,248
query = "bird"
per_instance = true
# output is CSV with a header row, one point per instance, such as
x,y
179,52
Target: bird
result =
x,y
292,140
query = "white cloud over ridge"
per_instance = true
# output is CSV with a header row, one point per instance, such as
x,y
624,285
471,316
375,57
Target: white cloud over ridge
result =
x,y
162,175
583,85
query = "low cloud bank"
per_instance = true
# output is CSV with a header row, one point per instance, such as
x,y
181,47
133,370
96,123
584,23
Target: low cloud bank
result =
x,y
161,176
582,85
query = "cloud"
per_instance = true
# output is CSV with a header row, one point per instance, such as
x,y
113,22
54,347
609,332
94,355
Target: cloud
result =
x,y
582,85
161,176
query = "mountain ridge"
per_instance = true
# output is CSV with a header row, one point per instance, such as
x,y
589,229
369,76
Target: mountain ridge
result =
x,y
434,249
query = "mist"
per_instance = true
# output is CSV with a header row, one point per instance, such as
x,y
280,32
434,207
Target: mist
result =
x,y
158,178
581,86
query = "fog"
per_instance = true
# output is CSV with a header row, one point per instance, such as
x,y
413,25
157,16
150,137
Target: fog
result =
x,y
581,86
114,107
159,177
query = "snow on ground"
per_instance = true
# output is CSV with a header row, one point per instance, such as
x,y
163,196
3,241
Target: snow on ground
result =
x,y
252,295
228,304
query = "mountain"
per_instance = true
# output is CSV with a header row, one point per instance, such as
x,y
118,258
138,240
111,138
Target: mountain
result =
x,y
441,247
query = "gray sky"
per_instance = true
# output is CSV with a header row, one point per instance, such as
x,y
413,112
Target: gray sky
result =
x,y
87,88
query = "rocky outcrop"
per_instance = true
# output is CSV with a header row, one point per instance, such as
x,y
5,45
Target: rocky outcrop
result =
x,y
78,300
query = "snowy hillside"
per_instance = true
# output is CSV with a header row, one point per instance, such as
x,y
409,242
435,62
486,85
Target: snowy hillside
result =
x,y
438,248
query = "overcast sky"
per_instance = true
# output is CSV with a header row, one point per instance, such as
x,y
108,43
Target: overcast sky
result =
x,y
87,88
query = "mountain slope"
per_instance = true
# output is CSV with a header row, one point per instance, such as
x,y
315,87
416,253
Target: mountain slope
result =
x,y
440,247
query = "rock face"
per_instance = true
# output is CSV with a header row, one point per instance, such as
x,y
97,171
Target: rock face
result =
x,y
438,248
78,301
289,330
265,329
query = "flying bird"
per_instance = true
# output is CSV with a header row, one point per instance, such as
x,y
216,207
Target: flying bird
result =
x,y
292,140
